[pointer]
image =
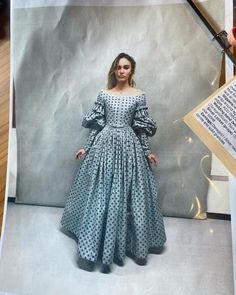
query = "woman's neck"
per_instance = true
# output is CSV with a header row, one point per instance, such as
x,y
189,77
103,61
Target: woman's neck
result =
x,y
122,87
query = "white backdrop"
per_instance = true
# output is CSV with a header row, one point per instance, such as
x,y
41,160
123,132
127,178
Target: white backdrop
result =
x,y
61,61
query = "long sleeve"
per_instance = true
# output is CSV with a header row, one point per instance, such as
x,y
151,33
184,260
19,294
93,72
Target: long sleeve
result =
x,y
95,120
143,138
93,133
143,125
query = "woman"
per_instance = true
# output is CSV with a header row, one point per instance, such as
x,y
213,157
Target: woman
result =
x,y
113,207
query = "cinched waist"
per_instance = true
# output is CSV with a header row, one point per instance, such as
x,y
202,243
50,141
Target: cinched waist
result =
x,y
118,126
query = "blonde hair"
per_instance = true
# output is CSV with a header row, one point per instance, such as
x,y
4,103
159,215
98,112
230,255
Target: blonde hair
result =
x,y
111,75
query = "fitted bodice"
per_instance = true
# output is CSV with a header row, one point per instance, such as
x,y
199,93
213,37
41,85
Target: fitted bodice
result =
x,y
119,110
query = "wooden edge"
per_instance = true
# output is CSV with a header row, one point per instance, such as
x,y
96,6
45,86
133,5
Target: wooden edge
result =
x,y
206,137
4,127
210,141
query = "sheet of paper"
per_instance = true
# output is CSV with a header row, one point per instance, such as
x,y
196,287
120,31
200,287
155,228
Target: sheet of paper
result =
x,y
214,121
218,116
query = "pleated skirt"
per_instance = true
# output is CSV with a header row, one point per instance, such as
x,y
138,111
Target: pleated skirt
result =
x,y
113,206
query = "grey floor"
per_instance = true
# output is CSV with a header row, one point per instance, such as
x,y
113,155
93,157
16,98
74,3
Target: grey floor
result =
x,y
39,259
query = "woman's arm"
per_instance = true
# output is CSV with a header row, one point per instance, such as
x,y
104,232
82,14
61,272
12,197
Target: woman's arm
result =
x,y
93,133
95,120
88,145
143,138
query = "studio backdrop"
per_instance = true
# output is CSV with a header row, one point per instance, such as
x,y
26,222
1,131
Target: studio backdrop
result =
x,y
62,54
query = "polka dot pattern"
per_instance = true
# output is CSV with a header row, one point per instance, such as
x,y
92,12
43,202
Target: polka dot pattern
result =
x,y
113,205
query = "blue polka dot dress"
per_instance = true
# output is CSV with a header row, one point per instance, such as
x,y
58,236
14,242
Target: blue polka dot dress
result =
x,y
113,206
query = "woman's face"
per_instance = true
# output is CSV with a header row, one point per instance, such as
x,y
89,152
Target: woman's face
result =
x,y
123,70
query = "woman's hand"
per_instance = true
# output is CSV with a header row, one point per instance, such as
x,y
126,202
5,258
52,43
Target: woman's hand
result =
x,y
153,159
80,153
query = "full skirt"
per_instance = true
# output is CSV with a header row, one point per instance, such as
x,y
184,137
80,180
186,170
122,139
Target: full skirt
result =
x,y
113,206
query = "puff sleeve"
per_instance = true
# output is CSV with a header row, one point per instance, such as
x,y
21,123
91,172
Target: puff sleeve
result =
x,y
95,120
143,125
